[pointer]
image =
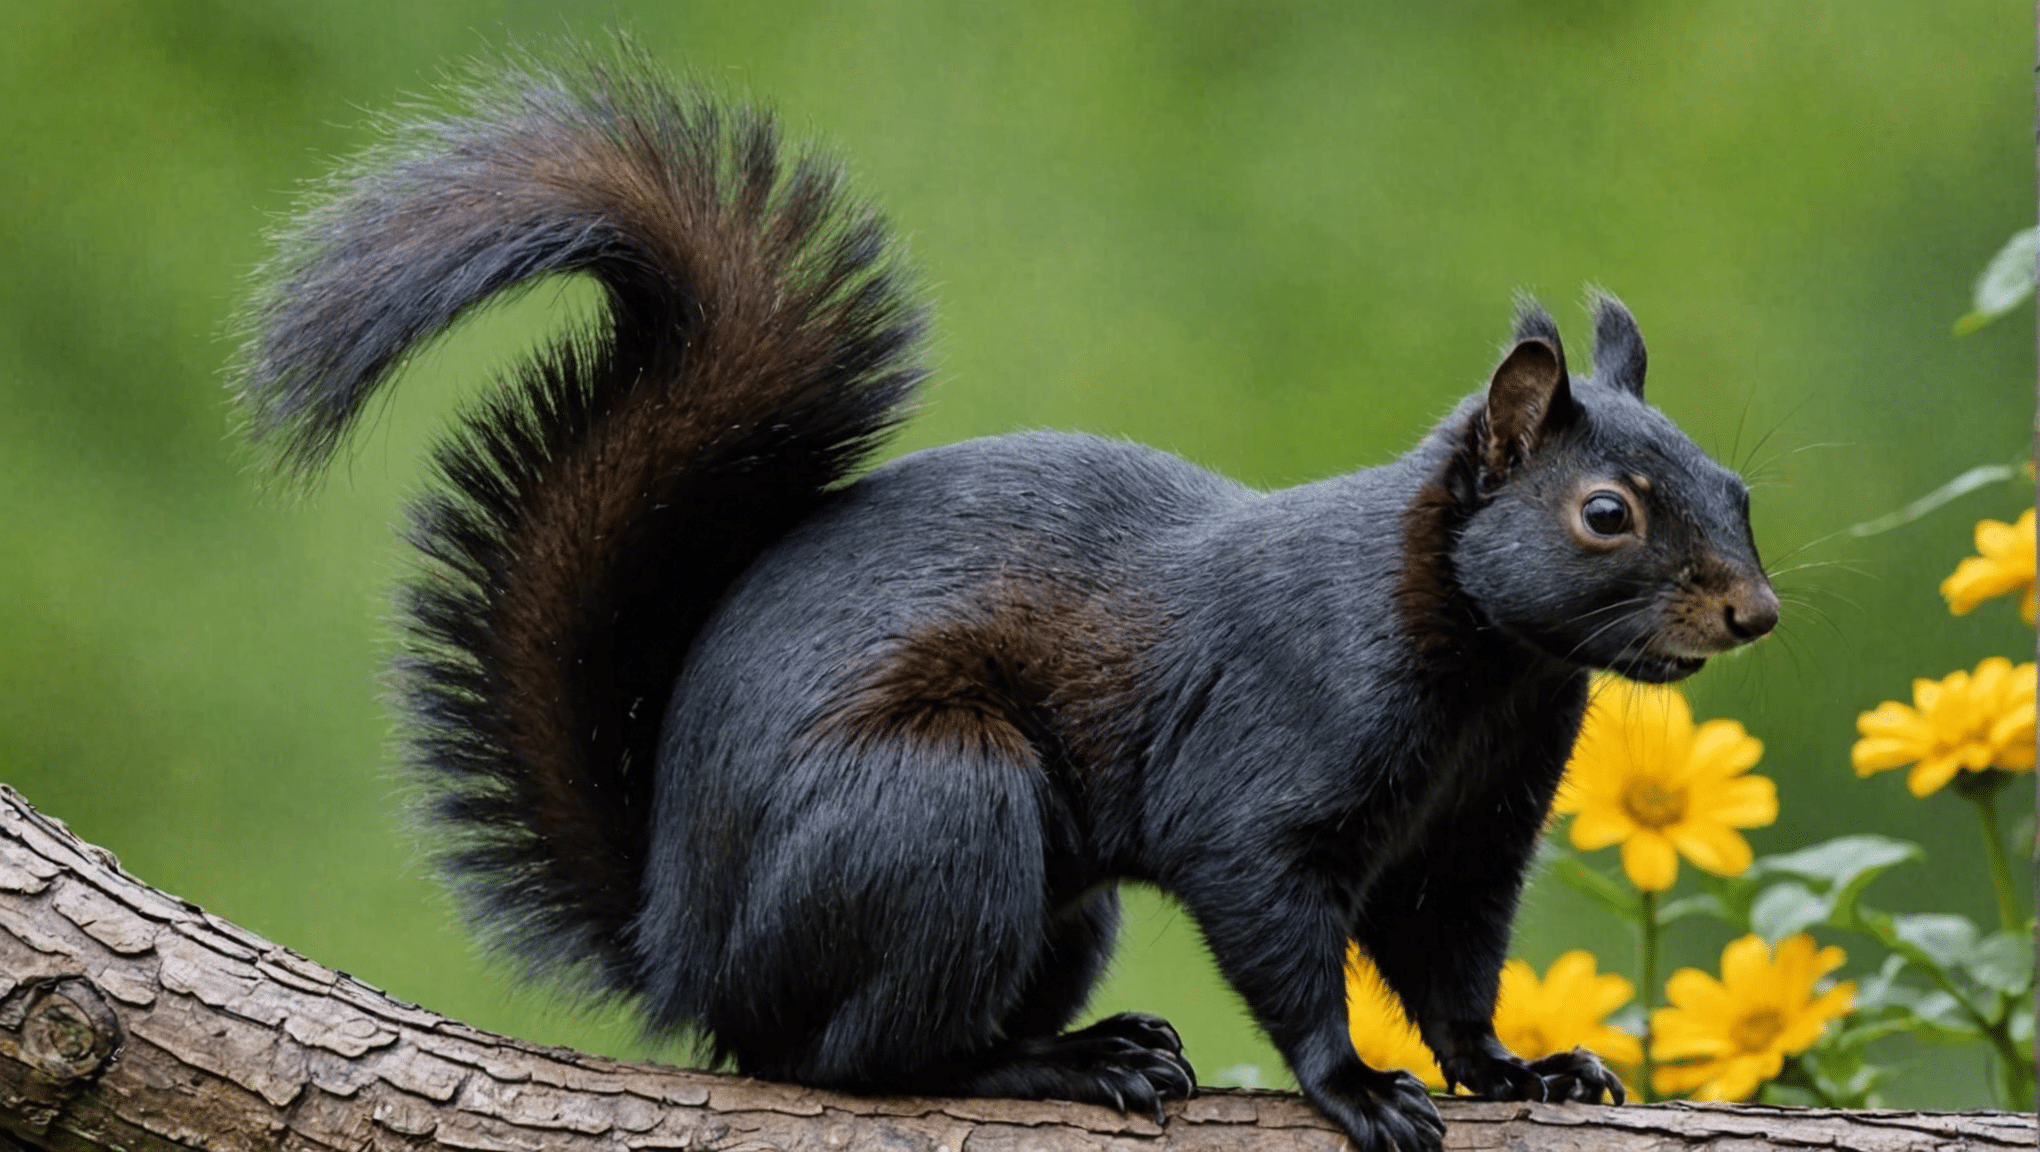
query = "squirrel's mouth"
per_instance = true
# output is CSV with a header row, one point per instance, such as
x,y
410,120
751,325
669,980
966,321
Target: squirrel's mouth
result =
x,y
1659,669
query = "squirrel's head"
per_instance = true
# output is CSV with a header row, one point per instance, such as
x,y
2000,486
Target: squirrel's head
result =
x,y
1600,534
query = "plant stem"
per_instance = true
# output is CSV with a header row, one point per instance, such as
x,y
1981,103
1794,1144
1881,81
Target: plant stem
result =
x,y
2012,1066
1647,926
2009,915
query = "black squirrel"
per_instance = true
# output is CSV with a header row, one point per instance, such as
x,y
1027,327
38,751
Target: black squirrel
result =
x,y
837,774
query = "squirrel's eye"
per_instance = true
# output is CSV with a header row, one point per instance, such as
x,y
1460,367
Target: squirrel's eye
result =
x,y
1605,514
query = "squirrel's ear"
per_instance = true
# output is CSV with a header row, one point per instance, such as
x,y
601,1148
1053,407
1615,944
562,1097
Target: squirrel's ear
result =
x,y
1528,400
1618,346
1534,323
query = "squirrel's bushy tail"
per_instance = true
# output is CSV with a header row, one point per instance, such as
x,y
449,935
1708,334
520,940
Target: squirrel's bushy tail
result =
x,y
759,343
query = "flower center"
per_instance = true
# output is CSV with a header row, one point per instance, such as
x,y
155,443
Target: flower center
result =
x,y
1652,804
1754,1032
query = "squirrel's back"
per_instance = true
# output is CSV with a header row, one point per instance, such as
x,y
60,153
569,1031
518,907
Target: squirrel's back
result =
x,y
758,345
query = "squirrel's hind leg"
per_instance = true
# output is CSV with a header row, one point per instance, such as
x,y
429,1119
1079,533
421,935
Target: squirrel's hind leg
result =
x,y
917,920
1132,1061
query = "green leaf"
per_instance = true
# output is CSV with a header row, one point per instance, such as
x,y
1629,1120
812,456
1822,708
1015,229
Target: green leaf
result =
x,y
1942,1018
1790,1095
1854,1039
1607,893
2006,281
1844,865
1881,990
1884,1004
1841,860
1698,904
1839,1069
1961,485
2002,962
1786,908
1943,939
1860,1088
1733,894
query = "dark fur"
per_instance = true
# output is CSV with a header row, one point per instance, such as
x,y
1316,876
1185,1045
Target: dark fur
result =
x,y
840,777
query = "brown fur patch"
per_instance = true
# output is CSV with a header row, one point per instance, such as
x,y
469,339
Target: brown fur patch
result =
x,y
1022,667
1424,594
763,346
1696,620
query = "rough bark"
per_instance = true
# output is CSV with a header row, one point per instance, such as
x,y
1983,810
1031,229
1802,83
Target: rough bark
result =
x,y
132,1019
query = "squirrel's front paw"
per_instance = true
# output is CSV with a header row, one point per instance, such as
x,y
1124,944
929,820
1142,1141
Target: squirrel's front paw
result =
x,y
1578,1075
1497,1074
1383,1111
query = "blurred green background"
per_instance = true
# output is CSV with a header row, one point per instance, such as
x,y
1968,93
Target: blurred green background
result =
x,y
1279,239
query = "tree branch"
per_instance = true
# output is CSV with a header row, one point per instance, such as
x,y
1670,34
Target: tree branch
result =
x,y
132,1019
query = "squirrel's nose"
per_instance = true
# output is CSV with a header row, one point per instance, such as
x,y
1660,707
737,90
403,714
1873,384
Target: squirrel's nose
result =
x,y
1751,611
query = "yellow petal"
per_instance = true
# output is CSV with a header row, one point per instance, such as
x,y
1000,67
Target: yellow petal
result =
x,y
1636,724
1807,1025
1613,1044
1990,536
1573,980
1745,802
2014,726
1714,847
1565,1009
1929,775
1650,861
1676,1037
1975,580
1721,748
1837,1001
2012,733
1683,1079
1800,963
1694,991
1893,734
1379,1029
2005,564
1739,1080
1988,683
1608,993
1597,828
1892,720
1745,963
2009,544
1875,754
1926,693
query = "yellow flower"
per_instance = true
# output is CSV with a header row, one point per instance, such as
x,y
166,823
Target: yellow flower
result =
x,y
1382,1032
1564,1010
1643,777
1966,721
2004,564
1534,1018
1734,1033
